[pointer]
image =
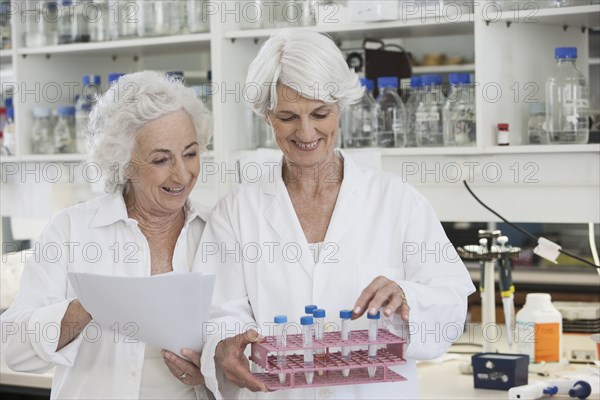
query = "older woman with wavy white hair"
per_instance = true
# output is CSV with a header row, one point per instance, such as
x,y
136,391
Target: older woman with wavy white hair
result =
x,y
147,134
322,230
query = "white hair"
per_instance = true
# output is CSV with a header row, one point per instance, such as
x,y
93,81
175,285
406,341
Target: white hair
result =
x,y
306,61
131,102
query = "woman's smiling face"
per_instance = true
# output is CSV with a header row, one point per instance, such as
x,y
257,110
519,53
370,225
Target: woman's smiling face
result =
x,y
305,130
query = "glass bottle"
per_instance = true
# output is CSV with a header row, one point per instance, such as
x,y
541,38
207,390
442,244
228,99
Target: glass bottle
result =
x,y
567,100
358,127
97,16
41,23
124,19
83,107
536,126
197,19
459,112
391,114
64,131
159,18
5,25
429,123
41,135
253,15
9,132
415,96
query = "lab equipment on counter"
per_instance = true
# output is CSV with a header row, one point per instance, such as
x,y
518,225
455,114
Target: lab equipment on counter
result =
x,y
580,320
391,124
580,389
487,252
429,115
499,371
280,333
307,345
373,328
567,100
392,354
539,329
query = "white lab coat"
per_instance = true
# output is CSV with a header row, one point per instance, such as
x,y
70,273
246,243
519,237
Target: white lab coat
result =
x,y
380,226
96,237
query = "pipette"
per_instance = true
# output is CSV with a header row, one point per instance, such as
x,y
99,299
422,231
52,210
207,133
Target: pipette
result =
x,y
319,320
373,326
345,316
307,343
280,321
507,288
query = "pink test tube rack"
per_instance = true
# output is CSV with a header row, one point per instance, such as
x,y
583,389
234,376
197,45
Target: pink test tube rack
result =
x,y
331,364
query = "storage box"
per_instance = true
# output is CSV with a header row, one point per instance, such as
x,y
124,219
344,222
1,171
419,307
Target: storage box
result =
x,y
499,371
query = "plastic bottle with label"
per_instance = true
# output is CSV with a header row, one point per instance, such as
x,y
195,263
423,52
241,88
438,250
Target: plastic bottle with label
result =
x,y
459,112
539,329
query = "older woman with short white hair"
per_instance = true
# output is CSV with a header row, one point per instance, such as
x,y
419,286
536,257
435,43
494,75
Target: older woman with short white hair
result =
x,y
349,229
147,134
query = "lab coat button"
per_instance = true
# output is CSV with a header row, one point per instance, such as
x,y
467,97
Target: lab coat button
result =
x,y
325,393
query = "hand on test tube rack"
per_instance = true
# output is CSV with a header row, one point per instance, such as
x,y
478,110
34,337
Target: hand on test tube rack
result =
x,y
341,364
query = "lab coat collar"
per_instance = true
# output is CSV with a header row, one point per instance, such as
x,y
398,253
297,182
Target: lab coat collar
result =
x,y
279,211
112,209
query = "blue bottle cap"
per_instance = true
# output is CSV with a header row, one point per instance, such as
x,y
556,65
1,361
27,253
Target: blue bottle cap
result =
x,y
319,313
41,112
415,82
387,82
65,111
310,308
374,316
91,80
306,320
9,102
114,76
561,53
10,113
346,314
367,83
461,78
431,79
280,319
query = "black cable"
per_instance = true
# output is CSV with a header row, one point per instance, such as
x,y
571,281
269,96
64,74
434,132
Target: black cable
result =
x,y
523,231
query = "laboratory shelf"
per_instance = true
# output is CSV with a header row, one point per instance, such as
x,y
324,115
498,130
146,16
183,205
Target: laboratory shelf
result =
x,y
150,45
428,151
417,27
443,69
543,148
6,55
576,16
56,158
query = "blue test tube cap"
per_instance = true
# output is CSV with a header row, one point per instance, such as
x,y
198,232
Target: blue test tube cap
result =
x,y
319,313
346,314
114,76
387,82
415,82
280,319
306,320
561,53
374,316
91,80
310,308
65,111
367,83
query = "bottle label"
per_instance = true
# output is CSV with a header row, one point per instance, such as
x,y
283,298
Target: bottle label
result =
x,y
540,341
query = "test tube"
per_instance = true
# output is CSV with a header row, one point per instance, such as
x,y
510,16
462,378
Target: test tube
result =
x,y
373,326
307,343
280,321
319,320
345,316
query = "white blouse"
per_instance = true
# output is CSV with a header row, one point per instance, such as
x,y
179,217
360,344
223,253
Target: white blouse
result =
x,y
94,237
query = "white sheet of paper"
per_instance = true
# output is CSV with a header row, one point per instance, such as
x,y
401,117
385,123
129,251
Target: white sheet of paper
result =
x,y
166,310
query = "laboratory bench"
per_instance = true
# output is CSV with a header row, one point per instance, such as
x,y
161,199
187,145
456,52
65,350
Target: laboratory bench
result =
x,y
444,372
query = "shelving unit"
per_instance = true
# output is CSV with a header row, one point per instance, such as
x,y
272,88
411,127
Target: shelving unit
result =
x,y
521,54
